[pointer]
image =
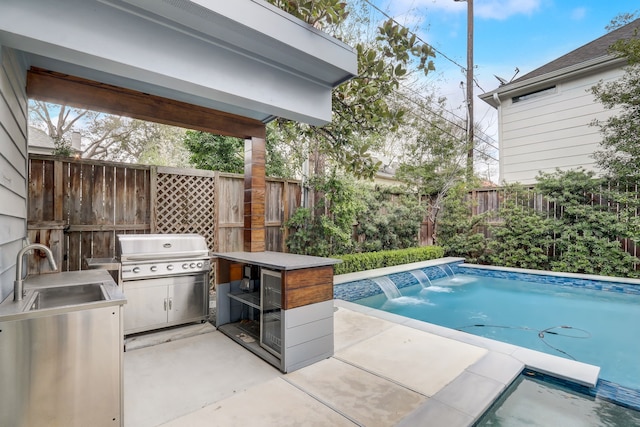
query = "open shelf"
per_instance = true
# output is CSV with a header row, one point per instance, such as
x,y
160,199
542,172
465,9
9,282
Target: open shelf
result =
x,y
252,299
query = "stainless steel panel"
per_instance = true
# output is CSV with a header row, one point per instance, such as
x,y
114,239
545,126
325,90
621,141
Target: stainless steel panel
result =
x,y
62,370
166,301
146,306
160,269
144,247
187,300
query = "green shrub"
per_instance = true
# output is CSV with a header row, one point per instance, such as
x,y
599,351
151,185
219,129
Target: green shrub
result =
x,y
457,231
390,219
370,260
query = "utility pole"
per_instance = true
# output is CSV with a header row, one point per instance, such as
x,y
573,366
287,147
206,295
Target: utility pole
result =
x,y
470,83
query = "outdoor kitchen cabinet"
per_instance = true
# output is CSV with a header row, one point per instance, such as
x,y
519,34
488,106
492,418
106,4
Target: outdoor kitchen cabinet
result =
x,y
158,303
286,317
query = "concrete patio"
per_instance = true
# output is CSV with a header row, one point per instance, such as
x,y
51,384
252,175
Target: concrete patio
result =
x,y
385,372
381,373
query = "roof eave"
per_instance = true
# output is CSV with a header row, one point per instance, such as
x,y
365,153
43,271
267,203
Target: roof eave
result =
x,y
539,82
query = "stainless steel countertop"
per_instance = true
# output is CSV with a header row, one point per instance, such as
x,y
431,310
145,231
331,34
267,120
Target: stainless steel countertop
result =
x,y
18,310
277,260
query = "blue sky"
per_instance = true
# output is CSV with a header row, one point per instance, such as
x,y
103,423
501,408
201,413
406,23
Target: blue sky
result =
x,y
507,34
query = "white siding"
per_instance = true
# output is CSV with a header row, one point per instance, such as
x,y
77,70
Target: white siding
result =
x,y
13,164
552,131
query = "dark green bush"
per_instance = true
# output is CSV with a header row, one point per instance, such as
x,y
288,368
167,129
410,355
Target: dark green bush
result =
x,y
370,260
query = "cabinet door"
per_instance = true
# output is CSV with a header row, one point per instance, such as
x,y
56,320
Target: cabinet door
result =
x,y
146,306
187,299
271,319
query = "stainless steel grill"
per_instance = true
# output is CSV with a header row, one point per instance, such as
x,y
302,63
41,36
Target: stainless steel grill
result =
x,y
165,278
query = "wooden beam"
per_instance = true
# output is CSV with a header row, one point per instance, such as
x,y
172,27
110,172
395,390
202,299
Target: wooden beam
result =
x,y
51,86
254,195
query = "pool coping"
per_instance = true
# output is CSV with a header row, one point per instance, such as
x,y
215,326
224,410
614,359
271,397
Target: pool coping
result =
x,y
570,370
489,377
577,276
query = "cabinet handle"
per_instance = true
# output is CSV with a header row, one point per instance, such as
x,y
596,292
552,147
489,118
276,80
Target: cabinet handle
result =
x,y
170,303
165,304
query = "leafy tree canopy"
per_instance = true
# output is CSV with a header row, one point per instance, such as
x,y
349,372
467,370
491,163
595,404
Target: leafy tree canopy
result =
x,y
109,137
226,154
620,152
362,107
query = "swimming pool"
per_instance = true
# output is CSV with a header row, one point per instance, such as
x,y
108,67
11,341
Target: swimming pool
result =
x,y
534,401
592,321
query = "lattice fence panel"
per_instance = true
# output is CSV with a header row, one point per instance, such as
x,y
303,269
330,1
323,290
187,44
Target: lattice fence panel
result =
x,y
185,203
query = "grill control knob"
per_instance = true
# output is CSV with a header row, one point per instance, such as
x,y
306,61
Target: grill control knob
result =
x,y
170,267
199,265
185,266
154,268
192,265
136,269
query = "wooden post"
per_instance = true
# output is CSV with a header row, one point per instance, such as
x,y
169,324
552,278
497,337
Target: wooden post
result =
x,y
153,199
254,194
285,214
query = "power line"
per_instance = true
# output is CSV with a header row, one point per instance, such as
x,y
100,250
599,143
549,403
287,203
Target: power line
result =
x,y
437,51
414,92
422,96
446,131
417,36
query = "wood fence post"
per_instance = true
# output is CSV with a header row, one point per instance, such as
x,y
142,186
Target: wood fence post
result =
x,y
153,199
216,211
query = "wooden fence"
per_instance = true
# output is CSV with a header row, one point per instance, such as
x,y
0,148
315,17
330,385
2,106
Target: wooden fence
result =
x,y
77,207
489,201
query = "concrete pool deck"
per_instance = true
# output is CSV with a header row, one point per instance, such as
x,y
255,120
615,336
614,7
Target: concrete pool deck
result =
x,y
387,370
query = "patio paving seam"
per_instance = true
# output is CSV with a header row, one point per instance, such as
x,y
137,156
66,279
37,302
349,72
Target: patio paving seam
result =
x,y
377,374
325,403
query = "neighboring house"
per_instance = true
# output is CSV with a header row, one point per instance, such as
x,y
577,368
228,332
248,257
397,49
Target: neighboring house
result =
x,y
544,116
41,143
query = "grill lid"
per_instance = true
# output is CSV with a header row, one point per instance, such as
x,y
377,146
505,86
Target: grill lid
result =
x,y
149,247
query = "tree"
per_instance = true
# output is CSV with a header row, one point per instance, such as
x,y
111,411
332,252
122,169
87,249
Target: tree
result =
x,y
389,219
620,152
108,137
123,139
458,231
215,152
433,159
329,233
59,121
226,154
590,226
362,107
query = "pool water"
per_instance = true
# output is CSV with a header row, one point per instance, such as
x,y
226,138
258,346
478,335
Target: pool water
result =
x,y
531,402
592,326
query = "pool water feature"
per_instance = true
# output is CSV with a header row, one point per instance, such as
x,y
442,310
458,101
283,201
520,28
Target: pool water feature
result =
x,y
590,321
533,401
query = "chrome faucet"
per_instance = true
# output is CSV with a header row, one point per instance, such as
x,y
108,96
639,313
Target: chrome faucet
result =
x,y
18,288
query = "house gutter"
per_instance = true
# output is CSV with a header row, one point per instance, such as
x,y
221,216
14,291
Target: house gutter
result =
x,y
494,98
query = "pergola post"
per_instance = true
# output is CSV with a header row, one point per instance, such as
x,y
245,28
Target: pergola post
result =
x,y
254,195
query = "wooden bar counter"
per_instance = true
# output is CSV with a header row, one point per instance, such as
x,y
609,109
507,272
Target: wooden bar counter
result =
x,y
278,305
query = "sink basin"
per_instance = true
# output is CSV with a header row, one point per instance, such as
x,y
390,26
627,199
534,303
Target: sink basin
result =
x,y
61,296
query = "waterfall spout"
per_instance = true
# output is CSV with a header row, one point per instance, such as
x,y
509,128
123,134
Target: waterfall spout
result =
x,y
388,287
422,278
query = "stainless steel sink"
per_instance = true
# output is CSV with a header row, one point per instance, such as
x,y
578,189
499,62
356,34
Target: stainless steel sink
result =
x,y
61,296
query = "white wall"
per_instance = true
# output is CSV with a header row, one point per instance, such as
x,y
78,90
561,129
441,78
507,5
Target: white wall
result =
x,y
552,131
13,164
